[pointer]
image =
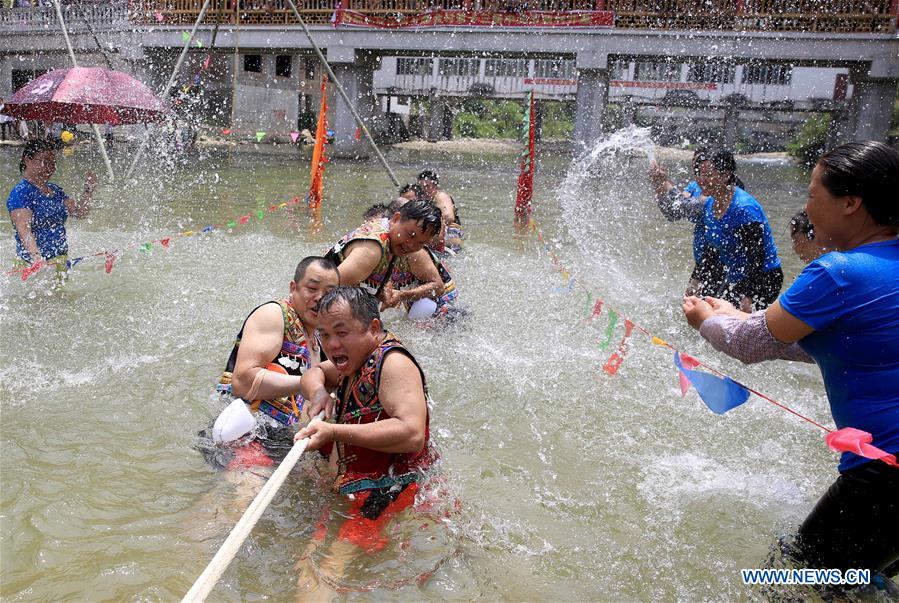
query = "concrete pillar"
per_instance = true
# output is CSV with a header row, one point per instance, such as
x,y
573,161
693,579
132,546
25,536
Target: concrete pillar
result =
x,y
592,97
356,79
731,123
872,108
435,124
628,112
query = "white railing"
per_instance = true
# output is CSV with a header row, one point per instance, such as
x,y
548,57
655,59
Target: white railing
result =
x,y
100,14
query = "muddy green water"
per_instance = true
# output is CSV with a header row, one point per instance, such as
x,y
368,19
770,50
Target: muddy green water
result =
x,y
573,485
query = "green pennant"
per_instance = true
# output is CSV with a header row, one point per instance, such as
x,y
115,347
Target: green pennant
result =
x,y
231,224
146,246
260,136
259,214
185,36
610,330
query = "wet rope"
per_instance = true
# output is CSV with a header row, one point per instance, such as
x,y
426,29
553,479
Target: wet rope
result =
x,y
210,576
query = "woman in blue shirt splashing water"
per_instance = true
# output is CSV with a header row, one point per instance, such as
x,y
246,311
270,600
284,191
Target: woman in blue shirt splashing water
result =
x,y
843,311
39,209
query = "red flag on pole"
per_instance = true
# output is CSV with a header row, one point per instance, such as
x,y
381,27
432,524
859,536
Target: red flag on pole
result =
x,y
527,163
319,160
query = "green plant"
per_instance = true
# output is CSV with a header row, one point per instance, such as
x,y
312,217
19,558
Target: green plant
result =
x,y
809,142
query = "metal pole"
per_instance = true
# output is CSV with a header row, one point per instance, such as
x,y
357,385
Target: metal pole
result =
x,y
97,135
168,86
93,35
343,94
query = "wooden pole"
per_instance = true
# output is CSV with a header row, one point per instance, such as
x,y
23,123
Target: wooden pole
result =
x,y
96,128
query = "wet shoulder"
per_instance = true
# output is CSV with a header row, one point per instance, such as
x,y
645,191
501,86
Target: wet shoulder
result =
x,y
21,195
747,208
863,266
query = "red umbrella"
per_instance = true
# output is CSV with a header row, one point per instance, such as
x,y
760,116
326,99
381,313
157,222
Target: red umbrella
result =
x,y
86,95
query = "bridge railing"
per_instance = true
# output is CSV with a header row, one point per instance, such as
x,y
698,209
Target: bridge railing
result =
x,y
100,14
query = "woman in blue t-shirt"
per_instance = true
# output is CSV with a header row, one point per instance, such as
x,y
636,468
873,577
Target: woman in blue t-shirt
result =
x,y
39,209
842,312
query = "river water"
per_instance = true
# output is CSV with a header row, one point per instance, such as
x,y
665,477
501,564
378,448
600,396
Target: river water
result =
x,y
571,484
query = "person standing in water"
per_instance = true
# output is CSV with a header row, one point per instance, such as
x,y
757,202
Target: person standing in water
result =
x,y
737,257
453,233
275,347
842,312
39,209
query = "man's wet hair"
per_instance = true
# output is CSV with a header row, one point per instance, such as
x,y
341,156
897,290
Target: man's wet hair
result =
x,y
414,187
378,210
721,159
363,306
429,175
324,263
869,170
800,223
424,213
35,147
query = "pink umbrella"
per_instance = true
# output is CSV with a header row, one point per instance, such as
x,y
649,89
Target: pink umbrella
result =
x,y
86,95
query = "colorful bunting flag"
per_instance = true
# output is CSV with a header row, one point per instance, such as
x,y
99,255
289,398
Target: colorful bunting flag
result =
x,y
597,310
614,362
657,341
185,36
230,224
146,246
316,178
719,394
36,267
260,136
226,131
243,219
260,213
856,441
110,261
610,330
294,136
165,242
527,165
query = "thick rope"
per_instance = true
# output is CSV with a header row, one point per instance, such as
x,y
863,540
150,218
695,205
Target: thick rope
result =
x,y
207,580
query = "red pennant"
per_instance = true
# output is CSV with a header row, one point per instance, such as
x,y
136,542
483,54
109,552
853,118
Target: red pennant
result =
x,y
226,131
358,134
206,62
294,201
110,261
244,219
28,271
858,442
597,310
273,208
688,362
614,362
165,242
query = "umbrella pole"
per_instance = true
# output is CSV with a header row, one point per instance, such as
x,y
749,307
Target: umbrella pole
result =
x,y
168,86
96,128
343,94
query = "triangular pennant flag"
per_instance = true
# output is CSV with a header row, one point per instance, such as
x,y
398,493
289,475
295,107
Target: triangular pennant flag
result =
x,y
856,441
690,363
226,131
207,229
159,17
185,36
260,213
188,233
597,310
230,224
610,330
110,261
614,362
294,136
165,242
260,136
244,219
206,62
719,394
657,341
146,246
29,270
199,44
75,262
196,79
358,134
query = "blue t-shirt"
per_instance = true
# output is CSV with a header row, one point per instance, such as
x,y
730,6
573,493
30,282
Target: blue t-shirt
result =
x,y
721,234
851,299
48,218
699,230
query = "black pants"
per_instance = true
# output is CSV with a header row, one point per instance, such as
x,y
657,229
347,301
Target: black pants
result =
x,y
762,288
856,522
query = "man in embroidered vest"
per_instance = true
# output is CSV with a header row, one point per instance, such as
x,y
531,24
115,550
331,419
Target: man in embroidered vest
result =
x,y
274,348
365,256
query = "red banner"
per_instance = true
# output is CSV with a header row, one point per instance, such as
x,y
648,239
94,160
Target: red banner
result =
x,y
465,18
316,182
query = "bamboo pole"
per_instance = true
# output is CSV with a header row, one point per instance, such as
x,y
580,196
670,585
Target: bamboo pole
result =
x,y
96,128
168,86
343,94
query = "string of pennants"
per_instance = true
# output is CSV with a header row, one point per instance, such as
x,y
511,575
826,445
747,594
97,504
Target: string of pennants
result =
x,y
259,134
110,256
718,391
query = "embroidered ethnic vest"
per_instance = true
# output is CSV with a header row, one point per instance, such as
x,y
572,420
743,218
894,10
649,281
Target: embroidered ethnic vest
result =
x,y
294,356
374,230
362,468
